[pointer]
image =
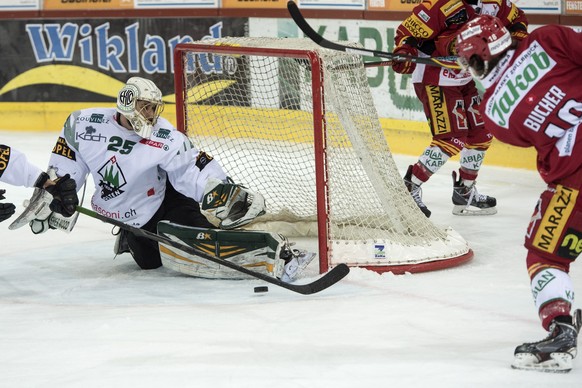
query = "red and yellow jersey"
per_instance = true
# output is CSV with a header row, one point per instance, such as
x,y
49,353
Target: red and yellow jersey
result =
x,y
533,99
433,25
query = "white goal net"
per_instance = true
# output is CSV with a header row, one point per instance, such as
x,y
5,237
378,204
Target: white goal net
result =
x,y
297,123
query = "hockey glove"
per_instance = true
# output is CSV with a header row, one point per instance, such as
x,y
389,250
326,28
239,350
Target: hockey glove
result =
x,y
446,45
519,35
234,205
408,47
6,209
64,193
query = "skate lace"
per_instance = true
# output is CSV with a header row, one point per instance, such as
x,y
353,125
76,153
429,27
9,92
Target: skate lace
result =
x,y
475,195
555,331
416,194
550,335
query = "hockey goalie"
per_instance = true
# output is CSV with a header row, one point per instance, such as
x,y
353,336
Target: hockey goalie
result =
x,y
148,175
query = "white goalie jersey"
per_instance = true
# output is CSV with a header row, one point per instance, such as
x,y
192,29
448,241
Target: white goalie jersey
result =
x,y
129,172
15,169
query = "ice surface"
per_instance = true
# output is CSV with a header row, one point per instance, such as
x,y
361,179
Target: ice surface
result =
x,y
73,316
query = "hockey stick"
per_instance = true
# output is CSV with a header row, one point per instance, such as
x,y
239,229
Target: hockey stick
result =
x,y
327,280
447,62
377,64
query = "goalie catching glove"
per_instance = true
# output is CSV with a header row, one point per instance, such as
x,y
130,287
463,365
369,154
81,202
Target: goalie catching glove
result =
x,y
232,204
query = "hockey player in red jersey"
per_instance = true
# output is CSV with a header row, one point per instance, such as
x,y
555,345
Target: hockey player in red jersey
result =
x,y
449,97
533,99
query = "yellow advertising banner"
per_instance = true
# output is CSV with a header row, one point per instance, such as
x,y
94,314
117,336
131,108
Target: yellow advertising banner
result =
x,y
392,5
270,4
573,7
68,5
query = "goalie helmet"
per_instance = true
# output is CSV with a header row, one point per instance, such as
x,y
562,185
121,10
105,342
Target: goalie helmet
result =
x,y
140,102
479,41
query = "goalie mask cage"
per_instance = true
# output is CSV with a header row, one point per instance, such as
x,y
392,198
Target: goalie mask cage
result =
x,y
297,123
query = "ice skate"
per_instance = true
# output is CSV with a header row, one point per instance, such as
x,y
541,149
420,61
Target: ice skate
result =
x,y
553,354
296,264
415,191
468,201
121,245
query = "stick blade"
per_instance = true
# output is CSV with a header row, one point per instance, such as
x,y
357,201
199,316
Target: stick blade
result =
x,y
329,279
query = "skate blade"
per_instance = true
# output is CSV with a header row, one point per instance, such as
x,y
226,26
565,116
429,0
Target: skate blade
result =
x,y
461,210
558,363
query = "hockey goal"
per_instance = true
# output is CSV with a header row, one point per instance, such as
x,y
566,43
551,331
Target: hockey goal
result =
x,y
297,123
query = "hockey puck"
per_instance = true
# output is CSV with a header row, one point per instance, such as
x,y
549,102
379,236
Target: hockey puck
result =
x,y
260,289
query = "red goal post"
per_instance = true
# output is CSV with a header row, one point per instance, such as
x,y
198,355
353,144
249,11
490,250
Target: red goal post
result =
x,y
298,124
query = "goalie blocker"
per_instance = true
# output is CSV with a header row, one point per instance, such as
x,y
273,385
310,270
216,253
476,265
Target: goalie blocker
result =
x,y
263,252
52,207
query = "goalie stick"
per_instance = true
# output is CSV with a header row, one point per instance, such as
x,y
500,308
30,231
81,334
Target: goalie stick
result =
x,y
447,62
327,280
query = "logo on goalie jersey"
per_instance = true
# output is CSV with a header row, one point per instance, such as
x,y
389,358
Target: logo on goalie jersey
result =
x,y
155,144
112,179
162,133
4,158
62,148
91,134
202,160
96,118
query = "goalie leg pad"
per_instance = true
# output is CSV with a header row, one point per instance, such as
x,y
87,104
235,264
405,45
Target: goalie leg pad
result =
x,y
258,251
